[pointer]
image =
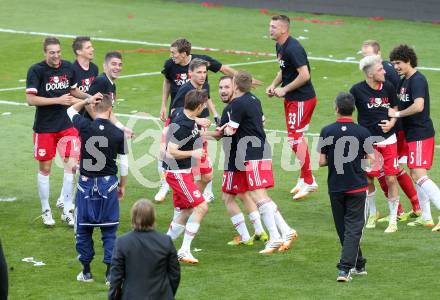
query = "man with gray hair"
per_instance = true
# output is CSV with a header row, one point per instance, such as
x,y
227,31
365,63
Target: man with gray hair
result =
x,y
373,97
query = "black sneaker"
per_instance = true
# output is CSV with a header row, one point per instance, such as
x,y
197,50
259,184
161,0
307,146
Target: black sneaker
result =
x,y
87,277
343,276
358,271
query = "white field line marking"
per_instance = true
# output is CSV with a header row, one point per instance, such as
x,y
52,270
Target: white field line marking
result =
x,y
11,199
6,102
12,89
124,41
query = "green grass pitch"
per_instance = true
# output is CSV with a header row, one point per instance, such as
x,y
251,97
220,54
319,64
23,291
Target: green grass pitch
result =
x,y
401,265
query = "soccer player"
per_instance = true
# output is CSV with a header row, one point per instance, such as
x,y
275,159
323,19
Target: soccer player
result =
x,y
51,87
372,47
373,97
99,190
299,97
416,123
347,183
176,74
232,185
184,149
85,72
252,157
198,69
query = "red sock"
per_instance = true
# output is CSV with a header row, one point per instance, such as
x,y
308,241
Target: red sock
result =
x,y
408,188
302,153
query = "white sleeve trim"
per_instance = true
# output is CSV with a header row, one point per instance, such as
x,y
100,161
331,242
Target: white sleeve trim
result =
x,y
123,164
71,112
233,124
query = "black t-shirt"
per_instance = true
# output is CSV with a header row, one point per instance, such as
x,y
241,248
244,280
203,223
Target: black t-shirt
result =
x,y
373,105
344,135
101,142
418,126
291,55
183,132
246,115
391,74
178,75
84,78
45,81
102,84
229,143
179,100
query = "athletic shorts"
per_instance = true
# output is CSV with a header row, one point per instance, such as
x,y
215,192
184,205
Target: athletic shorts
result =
x,y
386,160
402,147
66,141
186,194
234,182
421,154
298,115
259,174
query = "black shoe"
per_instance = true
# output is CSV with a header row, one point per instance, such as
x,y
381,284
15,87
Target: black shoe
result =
x,y
343,276
358,271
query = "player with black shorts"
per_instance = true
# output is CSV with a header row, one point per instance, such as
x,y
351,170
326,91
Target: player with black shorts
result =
x,y
419,131
372,47
299,98
184,148
342,147
251,156
373,97
51,86
99,189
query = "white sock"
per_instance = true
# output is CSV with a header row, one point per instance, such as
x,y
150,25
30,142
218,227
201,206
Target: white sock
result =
x,y
67,191
256,222
175,230
371,203
268,215
43,191
424,203
281,223
176,213
240,226
430,189
208,188
191,229
393,204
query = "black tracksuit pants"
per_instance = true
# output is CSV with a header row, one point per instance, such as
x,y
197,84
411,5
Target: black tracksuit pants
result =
x,y
349,216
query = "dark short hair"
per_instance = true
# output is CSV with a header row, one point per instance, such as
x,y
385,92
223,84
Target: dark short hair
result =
x,y
345,104
143,215
195,98
50,40
182,45
226,77
196,63
78,43
404,53
282,18
105,103
243,81
112,54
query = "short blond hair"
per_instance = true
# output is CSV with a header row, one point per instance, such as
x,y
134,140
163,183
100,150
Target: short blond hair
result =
x,y
243,81
368,62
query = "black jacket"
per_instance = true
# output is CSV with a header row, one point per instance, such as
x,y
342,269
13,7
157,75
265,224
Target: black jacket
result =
x,y
144,266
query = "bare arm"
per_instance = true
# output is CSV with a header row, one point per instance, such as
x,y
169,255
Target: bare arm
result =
x,y
323,160
300,80
276,82
211,107
416,107
166,88
227,70
34,100
174,152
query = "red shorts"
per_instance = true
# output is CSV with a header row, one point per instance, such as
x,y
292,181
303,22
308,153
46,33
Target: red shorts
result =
x,y
186,194
386,160
259,174
421,154
234,182
298,115
402,146
66,141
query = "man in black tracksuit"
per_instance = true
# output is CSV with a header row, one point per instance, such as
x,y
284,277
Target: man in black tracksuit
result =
x,y
343,146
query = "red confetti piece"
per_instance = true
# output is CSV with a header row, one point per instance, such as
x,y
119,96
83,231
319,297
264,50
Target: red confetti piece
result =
x,y
209,4
130,16
376,18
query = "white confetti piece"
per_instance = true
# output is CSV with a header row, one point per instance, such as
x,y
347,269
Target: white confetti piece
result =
x,y
10,199
350,58
330,55
302,37
6,113
28,259
306,30
197,250
133,111
22,80
325,77
39,263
